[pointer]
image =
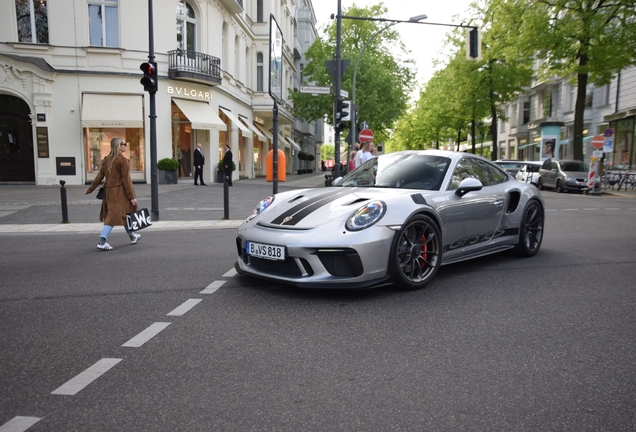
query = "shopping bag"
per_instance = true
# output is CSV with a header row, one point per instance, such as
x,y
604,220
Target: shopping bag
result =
x,y
139,219
100,193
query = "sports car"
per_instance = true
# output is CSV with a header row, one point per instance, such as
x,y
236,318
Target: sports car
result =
x,y
394,220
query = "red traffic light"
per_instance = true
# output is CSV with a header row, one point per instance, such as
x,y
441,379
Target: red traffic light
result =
x,y
147,68
149,81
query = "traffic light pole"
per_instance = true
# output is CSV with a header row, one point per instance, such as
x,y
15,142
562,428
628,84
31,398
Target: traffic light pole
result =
x,y
154,181
336,168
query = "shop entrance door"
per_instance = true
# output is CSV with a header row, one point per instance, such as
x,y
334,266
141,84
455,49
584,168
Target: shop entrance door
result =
x,y
17,162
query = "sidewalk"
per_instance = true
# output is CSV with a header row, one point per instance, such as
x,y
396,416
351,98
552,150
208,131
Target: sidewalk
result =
x,y
38,209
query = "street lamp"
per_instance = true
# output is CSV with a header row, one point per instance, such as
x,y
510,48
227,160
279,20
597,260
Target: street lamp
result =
x,y
354,113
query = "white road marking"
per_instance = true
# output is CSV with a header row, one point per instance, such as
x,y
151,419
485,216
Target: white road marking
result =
x,y
591,209
230,274
212,287
186,306
19,424
146,335
613,208
76,384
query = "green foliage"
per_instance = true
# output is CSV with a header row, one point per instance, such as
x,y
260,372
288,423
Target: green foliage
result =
x,y
384,78
168,164
327,151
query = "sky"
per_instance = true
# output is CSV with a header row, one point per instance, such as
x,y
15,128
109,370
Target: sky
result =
x,y
424,41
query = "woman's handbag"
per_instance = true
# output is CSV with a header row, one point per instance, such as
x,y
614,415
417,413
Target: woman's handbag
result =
x,y
100,193
139,219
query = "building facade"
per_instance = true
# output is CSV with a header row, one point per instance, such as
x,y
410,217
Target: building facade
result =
x,y
547,109
70,81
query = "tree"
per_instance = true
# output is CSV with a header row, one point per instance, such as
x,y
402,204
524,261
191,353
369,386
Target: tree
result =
x,y
589,41
385,75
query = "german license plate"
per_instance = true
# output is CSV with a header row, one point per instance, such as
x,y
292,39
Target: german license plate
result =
x,y
266,251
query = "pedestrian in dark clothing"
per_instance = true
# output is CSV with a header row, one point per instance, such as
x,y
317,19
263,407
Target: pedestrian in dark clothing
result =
x,y
227,164
199,161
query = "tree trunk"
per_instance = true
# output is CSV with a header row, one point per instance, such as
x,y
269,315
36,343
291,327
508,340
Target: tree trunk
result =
x,y
459,137
472,134
493,125
579,111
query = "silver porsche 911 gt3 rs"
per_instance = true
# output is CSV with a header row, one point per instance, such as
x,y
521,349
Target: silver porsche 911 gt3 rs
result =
x,y
395,219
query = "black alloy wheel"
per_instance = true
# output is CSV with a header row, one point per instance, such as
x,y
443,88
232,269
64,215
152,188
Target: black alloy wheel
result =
x,y
531,230
417,253
559,186
540,183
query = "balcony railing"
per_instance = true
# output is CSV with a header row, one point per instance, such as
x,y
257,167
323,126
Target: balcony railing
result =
x,y
194,66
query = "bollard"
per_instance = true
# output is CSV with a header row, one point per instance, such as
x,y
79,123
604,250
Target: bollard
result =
x,y
226,199
64,205
328,179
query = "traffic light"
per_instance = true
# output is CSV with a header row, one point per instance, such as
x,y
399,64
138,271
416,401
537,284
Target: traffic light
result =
x,y
149,81
473,44
345,111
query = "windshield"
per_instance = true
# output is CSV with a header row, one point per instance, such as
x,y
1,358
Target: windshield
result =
x,y
574,166
403,171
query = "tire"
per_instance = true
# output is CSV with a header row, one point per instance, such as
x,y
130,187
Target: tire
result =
x,y
559,186
540,183
417,253
531,230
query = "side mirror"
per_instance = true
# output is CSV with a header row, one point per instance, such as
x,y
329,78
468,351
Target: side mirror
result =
x,y
468,185
336,181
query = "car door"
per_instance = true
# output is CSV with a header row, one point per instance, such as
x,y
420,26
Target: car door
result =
x,y
470,221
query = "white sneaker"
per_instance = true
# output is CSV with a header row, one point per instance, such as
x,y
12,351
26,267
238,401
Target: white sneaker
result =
x,y
135,238
104,246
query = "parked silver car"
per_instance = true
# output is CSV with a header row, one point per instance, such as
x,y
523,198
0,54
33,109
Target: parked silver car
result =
x,y
564,175
529,172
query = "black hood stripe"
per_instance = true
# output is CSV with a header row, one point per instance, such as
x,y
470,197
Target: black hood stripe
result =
x,y
302,210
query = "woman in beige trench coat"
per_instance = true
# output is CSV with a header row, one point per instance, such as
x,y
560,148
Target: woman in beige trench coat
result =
x,y
119,194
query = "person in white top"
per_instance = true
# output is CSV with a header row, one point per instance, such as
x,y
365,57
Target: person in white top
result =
x,y
364,154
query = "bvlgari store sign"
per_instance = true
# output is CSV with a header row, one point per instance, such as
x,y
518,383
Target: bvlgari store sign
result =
x,y
184,91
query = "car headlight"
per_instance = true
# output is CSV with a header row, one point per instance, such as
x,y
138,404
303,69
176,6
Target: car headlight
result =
x,y
261,207
570,179
366,216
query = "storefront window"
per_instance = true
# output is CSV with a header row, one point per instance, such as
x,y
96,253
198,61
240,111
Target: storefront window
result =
x,y
97,141
624,144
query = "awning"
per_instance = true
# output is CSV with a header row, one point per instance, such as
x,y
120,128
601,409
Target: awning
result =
x,y
244,130
267,134
258,133
112,111
200,114
528,145
293,144
283,142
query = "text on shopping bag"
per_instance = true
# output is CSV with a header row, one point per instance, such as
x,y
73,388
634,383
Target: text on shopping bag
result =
x,y
138,219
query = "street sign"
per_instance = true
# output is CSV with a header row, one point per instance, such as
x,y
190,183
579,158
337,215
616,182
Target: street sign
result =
x,y
315,89
608,132
608,147
365,135
598,141
344,93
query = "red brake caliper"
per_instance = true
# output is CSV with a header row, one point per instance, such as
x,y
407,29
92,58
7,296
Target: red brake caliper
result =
x,y
424,249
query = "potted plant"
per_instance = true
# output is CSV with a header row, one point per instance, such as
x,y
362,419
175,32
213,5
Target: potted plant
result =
x,y
310,158
167,168
302,156
220,171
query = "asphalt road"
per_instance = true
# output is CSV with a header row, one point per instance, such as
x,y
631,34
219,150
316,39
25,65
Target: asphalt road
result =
x,y
498,343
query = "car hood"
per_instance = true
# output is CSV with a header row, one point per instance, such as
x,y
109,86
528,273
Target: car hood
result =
x,y
308,208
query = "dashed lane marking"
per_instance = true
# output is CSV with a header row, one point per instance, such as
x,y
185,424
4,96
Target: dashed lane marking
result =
x,y
76,384
230,274
146,335
212,287
186,306
19,424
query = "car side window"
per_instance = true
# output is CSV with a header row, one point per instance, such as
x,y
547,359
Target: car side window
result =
x,y
555,166
463,170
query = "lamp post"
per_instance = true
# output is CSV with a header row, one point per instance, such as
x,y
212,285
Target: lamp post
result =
x,y
354,113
